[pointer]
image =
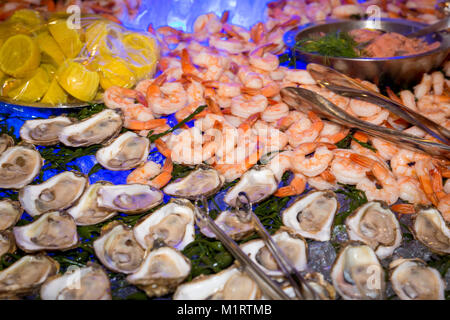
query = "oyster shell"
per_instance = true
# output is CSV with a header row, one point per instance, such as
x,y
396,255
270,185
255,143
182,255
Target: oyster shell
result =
x,y
129,198
26,274
375,225
321,287
229,284
259,183
312,215
412,279
5,142
292,245
44,132
161,272
126,152
7,243
232,225
99,128
117,248
86,211
172,223
19,165
10,213
430,229
52,231
357,274
88,283
203,181
57,193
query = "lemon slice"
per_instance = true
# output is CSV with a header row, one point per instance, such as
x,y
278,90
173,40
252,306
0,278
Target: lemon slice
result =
x,y
33,89
50,69
143,54
77,80
115,72
95,36
55,94
49,47
27,16
68,39
19,56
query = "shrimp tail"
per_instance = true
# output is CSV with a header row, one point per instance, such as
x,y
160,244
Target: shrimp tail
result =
x,y
297,186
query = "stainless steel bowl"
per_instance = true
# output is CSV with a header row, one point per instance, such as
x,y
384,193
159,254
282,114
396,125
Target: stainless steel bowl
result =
x,y
401,70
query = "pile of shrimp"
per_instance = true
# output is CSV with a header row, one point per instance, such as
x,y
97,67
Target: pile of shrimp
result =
x,y
236,73
310,11
110,9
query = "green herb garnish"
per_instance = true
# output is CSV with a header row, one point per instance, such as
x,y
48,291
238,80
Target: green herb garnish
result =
x,y
356,199
155,137
87,112
337,44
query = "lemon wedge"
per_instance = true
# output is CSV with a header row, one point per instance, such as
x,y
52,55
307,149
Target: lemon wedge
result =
x,y
49,47
115,72
33,89
27,16
77,80
68,39
55,94
19,56
143,54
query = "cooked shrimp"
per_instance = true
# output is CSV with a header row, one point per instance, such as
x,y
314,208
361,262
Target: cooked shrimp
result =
x,y
297,186
244,107
275,112
444,207
346,170
424,87
411,191
262,59
389,191
233,171
408,99
434,103
150,173
315,165
345,11
438,79
249,78
166,97
299,76
305,130
385,150
224,89
363,108
423,168
332,132
120,98
206,24
402,163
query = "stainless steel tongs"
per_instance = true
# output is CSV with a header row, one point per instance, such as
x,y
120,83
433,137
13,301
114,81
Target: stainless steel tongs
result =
x,y
300,99
267,285
348,87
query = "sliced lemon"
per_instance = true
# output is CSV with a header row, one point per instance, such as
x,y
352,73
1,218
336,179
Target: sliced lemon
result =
x,y
50,47
67,39
50,69
115,72
77,80
10,84
95,36
55,94
19,56
33,89
27,16
142,54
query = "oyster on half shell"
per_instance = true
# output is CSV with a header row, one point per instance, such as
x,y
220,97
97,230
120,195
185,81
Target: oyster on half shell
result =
x,y
412,279
26,274
44,132
321,287
87,283
163,269
203,181
86,211
126,152
57,193
357,274
312,215
6,141
117,249
10,213
129,198
259,183
172,223
51,231
7,243
19,165
232,225
99,128
229,284
431,229
375,225
292,245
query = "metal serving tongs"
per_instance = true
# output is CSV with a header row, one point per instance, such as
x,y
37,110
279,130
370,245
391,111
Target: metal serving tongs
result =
x,y
300,99
267,285
348,87
301,287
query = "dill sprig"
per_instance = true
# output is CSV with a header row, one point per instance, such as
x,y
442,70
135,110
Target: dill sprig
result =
x,y
88,111
334,44
355,198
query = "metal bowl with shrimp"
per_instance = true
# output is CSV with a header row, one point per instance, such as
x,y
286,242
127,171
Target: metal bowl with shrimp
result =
x,y
398,70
